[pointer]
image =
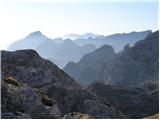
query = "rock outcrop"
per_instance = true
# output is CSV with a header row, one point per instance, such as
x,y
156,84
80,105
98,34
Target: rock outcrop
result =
x,y
26,66
23,102
77,115
156,116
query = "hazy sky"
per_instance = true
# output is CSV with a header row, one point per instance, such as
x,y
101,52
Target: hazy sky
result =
x,y
54,19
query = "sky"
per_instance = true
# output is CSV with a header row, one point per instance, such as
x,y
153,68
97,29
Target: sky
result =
x,y
55,18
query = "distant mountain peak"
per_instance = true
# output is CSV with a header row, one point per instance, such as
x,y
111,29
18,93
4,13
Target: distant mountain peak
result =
x,y
68,41
89,35
35,34
82,36
71,36
105,47
31,41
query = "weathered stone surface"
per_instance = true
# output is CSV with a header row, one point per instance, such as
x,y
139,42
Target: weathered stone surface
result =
x,y
77,115
156,116
17,115
25,100
134,102
99,110
26,66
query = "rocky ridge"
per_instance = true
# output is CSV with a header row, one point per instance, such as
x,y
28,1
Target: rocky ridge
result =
x,y
33,87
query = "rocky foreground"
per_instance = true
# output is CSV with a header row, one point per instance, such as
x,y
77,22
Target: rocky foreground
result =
x,y
33,87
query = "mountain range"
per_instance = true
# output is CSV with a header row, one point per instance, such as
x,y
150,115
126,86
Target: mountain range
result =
x,y
117,41
31,41
63,53
132,66
33,87
53,50
84,36
103,84
63,50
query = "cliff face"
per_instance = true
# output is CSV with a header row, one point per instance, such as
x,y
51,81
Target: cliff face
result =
x,y
90,68
33,87
137,64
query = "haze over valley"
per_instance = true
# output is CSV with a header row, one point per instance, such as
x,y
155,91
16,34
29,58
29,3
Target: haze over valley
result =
x,y
61,50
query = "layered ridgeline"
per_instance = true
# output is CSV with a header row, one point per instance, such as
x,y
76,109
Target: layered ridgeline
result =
x,y
62,50
29,42
133,66
127,80
33,87
58,51
83,37
117,41
137,64
62,53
